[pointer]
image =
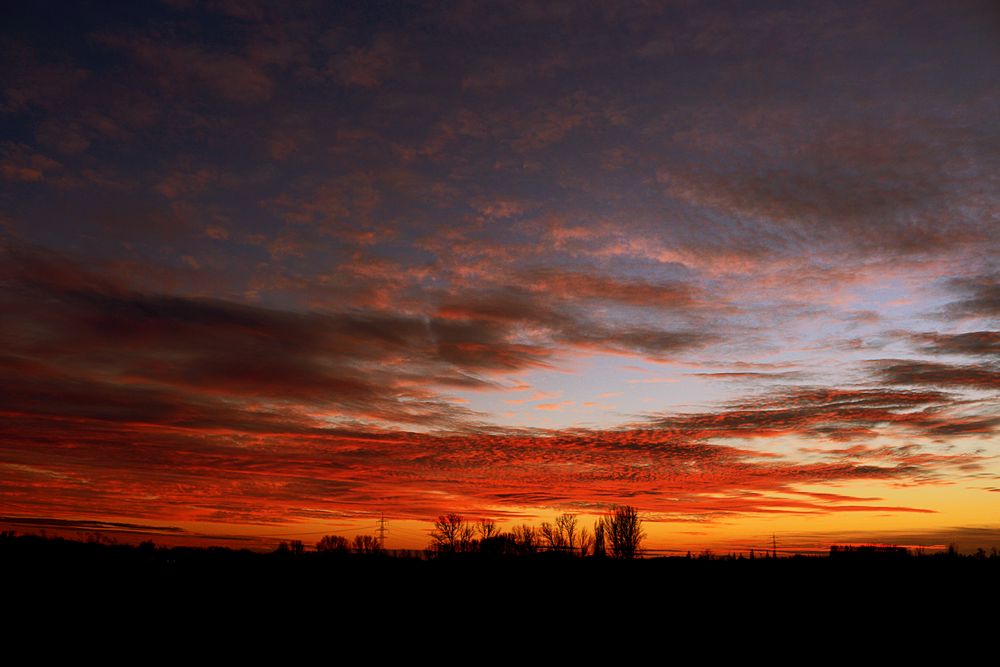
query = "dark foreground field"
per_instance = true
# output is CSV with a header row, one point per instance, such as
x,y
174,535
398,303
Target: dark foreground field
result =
x,y
147,579
182,606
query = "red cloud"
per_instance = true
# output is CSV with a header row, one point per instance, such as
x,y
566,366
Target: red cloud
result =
x,y
177,457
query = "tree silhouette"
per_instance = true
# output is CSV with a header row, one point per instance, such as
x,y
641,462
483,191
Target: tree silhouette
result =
x,y
586,543
525,539
566,523
452,534
487,528
367,544
599,543
492,540
551,535
623,532
333,544
287,549
563,535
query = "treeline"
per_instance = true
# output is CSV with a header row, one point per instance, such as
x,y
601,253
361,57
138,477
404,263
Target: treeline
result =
x,y
617,534
334,544
887,551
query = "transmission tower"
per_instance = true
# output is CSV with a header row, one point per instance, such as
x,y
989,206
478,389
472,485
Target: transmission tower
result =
x,y
383,528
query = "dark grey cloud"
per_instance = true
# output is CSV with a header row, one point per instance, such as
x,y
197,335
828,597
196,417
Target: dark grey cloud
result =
x,y
979,296
972,343
83,343
51,522
908,372
835,413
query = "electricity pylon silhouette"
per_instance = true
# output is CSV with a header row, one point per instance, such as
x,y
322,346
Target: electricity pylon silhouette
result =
x,y
382,530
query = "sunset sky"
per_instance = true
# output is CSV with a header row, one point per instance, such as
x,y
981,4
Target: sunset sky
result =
x,y
269,270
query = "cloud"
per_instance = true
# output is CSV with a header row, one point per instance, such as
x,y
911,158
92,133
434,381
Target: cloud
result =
x,y
590,285
83,343
20,163
966,538
176,409
830,185
748,376
159,471
188,67
345,358
554,407
556,317
972,343
906,372
49,522
836,414
83,332
980,296
366,67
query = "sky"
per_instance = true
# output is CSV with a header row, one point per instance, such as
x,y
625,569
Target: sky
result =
x,y
273,270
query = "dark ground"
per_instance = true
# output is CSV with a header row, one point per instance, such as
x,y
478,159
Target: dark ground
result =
x,y
66,599
147,579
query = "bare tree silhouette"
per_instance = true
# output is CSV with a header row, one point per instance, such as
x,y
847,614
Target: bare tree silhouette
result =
x,y
452,534
333,544
566,524
525,539
367,544
599,546
293,548
624,533
487,528
551,535
561,536
586,543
